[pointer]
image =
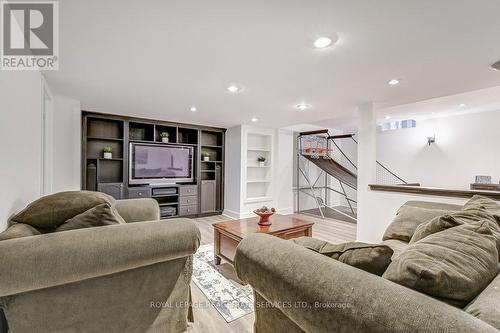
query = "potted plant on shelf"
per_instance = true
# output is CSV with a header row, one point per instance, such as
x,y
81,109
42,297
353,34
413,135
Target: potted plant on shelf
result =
x,y
205,156
164,137
108,152
262,161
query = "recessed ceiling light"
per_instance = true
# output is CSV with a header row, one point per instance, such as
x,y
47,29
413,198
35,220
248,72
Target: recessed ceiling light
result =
x,y
324,41
496,66
393,82
387,117
193,109
462,105
233,89
302,106
254,119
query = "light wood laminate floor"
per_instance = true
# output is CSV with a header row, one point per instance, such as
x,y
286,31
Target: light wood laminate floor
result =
x,y
208,320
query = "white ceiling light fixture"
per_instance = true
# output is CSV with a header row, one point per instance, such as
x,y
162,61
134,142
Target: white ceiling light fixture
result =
x,y
325,41
462,105
254,119
193,109
303,106
233,89
387,117
393,82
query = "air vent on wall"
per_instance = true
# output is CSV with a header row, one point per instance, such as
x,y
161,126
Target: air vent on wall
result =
x,y
496,66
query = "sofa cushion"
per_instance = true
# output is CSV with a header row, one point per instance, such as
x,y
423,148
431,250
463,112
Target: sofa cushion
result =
x,y
432,205
473,213
454,265
373,258
486,306
51,211
103,214
408,219
489,204
18,230
396,245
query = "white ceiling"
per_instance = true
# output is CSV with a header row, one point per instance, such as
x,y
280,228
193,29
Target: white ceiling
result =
x,y
453,105
482,100
158,58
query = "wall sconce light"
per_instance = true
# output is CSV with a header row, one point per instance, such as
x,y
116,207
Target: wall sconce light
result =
x,y
431,139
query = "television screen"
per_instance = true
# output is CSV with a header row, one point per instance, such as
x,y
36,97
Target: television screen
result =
x,y
159,162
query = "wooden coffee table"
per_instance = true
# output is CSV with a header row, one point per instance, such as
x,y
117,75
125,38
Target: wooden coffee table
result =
x,y
228,234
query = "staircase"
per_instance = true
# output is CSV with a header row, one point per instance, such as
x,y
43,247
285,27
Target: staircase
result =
x,y
325,151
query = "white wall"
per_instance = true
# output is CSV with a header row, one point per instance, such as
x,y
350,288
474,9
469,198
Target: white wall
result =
x,y
67,145
281,194
20,140
466,146
367,152
284,171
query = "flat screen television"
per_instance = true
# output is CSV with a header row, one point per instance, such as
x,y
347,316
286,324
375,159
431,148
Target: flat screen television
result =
x,y
160,164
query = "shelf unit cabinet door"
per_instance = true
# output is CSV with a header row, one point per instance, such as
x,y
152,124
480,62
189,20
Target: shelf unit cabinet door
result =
x,y
188,190
218,187
188,210
113,189
208,195
188,200
134,193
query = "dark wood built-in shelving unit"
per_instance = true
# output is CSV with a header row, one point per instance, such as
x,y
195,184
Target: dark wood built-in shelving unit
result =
x,y
203,196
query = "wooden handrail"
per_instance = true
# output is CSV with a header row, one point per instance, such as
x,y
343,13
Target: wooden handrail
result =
x,y
442,192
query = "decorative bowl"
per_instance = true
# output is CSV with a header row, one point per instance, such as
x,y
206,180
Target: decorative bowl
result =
x,y
264,216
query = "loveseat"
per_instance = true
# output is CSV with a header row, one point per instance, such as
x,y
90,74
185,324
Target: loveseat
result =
x,y
300,290
127,277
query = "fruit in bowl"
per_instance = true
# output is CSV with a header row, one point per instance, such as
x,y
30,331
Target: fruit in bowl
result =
x,y
264,213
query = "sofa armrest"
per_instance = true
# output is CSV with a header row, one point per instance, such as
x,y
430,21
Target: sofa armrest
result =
x,y
319,293
138,210
48,260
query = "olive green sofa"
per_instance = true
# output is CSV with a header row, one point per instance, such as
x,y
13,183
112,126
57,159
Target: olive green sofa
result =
x,y
298,290
131,277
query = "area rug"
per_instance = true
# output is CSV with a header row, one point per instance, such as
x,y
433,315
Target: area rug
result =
x,y
232,301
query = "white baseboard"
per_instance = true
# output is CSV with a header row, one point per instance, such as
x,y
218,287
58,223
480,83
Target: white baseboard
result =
x,y
285,211
231,214
246,215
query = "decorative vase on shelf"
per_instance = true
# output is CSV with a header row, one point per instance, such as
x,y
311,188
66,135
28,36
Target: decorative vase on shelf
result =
x,y
164,139
206,158
108,156
262,164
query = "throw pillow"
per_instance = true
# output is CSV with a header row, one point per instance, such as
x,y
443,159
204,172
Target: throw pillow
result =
x,y
470,215
489,204
52,210
372,258
454,265
100,215
18,230
408,219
